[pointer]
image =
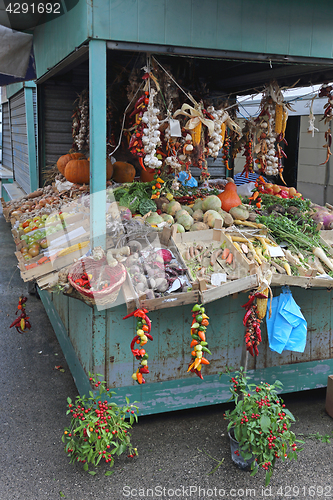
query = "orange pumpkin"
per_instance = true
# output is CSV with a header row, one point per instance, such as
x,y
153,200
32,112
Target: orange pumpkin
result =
x,y
229,197
109,168
147,175
63,160
123,172
77,171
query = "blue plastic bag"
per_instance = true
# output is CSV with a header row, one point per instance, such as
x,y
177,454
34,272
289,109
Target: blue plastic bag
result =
x,y
184,179
287,327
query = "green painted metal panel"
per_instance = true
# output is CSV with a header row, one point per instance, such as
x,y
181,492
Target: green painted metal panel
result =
x,y
31,138
80,327
226,28
101,341
56,39
298,28
178,26
97,127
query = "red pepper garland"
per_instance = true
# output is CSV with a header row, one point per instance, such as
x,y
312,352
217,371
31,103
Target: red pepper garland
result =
x,y
22,322
143,328
198,344
252,324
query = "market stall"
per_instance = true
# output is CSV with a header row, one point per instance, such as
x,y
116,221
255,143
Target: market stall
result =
x,y
152,231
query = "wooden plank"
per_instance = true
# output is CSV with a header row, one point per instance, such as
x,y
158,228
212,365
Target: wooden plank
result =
x,y
171,300
229,288
301,281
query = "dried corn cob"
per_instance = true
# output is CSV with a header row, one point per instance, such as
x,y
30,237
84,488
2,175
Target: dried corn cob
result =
x,y
223,131
196,134
262,305
284,120
278,118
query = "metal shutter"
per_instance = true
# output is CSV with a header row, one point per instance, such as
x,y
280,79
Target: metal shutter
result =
x,y
7,160
58,105
20,140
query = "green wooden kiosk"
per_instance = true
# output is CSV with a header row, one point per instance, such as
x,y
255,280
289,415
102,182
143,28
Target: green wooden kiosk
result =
x,y
246,43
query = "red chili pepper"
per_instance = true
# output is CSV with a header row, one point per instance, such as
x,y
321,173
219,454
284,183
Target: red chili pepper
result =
x,y
247,315
16,322
256,350
141,163
148,336
250,349
144,369
250,302
132,345
197,372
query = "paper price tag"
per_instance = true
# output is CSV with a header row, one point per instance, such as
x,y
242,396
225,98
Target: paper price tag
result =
x,y
175,130
218,278
275,251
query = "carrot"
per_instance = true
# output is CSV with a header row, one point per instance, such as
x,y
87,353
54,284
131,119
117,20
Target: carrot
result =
x,y
202,336
225,253
43,259
229,259
31,266
204,361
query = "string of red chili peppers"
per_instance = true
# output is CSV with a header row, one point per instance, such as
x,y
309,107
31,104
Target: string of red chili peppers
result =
x,y
143,328
252,324
136,145
198,344
21,323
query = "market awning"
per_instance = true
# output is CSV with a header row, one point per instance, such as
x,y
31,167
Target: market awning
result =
x,y
16,56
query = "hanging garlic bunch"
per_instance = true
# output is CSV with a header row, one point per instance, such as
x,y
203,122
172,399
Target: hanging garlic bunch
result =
x,y
173,163
151,134
217,137
82,138
272,160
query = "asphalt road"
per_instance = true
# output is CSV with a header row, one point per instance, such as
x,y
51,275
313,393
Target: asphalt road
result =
x,y
177,451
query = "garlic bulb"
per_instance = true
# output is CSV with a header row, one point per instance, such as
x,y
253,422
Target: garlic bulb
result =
x,y
151,134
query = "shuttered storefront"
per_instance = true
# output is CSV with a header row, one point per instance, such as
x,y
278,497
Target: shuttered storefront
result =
x,y
6,138
20,140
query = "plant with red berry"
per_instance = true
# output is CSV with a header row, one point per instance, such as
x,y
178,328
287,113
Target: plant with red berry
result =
x,y
261,423
99,429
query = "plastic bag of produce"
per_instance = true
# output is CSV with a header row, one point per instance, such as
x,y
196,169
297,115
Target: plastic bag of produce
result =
x,y
287,326
186,180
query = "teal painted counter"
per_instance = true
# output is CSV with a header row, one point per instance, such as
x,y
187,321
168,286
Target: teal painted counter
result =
x,y
100,342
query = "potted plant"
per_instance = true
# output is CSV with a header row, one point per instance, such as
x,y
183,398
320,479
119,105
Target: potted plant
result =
x,y
99,429
260,423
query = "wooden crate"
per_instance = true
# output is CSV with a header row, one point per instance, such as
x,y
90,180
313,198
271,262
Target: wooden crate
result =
x,y
245,277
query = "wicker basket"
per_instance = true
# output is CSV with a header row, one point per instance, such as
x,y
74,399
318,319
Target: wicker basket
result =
x,y
100,271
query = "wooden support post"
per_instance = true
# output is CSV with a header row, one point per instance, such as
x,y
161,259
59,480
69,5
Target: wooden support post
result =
x,y
97,124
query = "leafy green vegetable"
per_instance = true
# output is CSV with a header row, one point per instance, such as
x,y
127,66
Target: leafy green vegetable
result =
x,y
287,230
131,201
147,205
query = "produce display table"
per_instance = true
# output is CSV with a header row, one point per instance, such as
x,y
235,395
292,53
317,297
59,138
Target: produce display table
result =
x,y
100,342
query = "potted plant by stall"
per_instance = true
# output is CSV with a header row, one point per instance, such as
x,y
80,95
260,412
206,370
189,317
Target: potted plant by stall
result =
x,y
99,429
259,426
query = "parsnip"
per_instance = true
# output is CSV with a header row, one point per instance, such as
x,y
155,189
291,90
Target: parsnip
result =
x,y
319,252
